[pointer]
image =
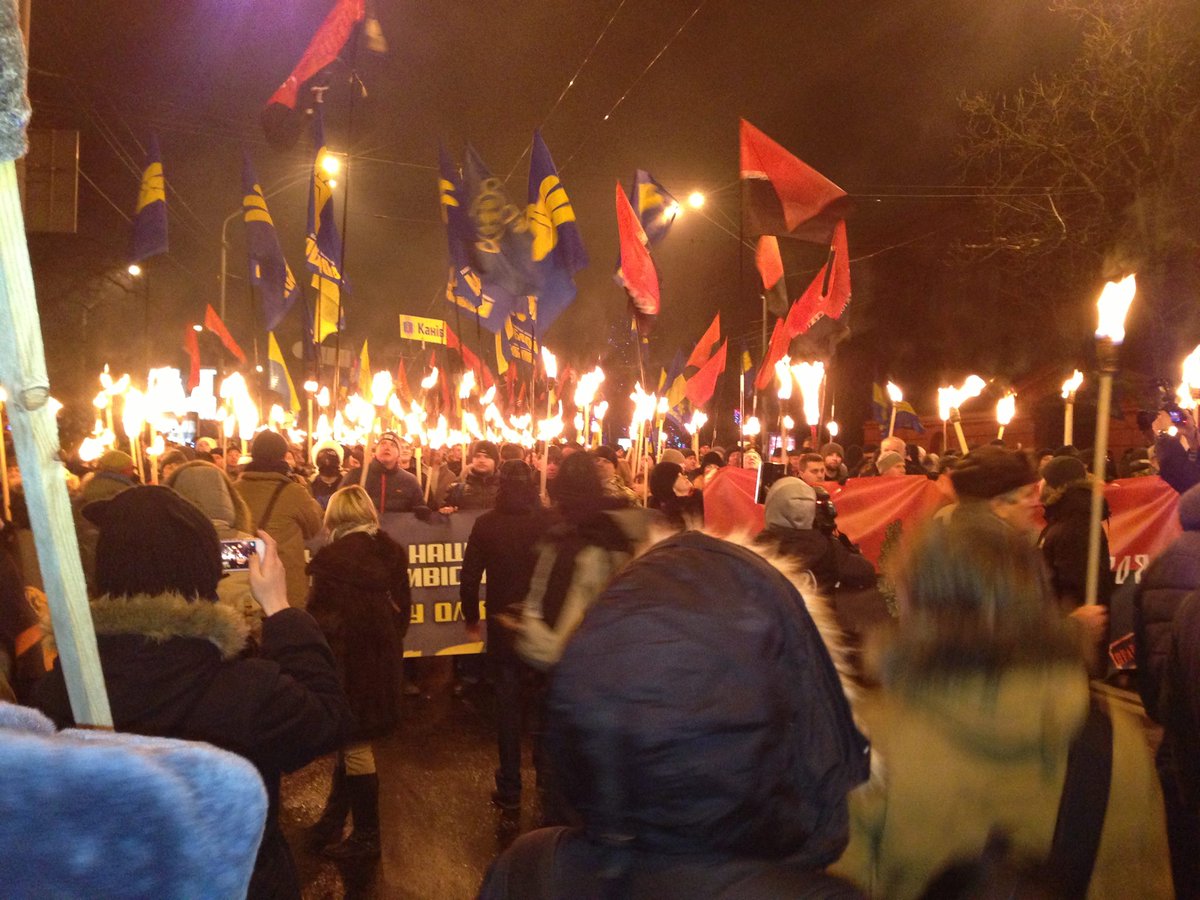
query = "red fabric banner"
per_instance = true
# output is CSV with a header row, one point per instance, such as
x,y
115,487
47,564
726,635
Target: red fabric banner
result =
x,y
871,511
213,323
323,49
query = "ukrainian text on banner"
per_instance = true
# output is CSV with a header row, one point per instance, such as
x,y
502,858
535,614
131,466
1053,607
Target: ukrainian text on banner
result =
x,y
435,556
875,512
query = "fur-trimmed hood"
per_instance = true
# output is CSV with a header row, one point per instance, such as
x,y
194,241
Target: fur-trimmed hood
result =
x,y
161,617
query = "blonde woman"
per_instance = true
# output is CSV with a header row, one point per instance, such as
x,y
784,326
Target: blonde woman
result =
x,y
360,598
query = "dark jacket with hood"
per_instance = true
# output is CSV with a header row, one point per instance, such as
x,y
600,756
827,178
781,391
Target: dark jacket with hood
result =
x,y
790,514
172,669
1064,543
1172,575
394,490
674,724
360,597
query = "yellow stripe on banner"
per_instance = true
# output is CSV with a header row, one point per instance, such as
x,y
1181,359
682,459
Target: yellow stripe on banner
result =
x,y
254,207
153,187
553,208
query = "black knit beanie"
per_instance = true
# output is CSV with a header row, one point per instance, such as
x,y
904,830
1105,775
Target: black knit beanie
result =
x,y
989,471
662,481
153,541
268,447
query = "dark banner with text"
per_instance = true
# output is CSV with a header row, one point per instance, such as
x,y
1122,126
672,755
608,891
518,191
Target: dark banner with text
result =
x,y
435,556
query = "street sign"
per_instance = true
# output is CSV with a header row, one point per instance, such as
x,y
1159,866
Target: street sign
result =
x,y
429,331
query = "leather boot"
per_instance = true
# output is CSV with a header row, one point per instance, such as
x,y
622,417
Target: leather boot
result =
x,y
328,829
363,842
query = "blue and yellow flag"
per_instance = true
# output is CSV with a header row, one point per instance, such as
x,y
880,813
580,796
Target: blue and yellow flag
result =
x,y
557,250
881,411
323,247
466,287
150,216
269,271
279,379
515,343
654,205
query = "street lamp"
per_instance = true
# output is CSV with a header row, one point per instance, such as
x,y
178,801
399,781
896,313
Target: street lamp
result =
x,y
134,270
695,199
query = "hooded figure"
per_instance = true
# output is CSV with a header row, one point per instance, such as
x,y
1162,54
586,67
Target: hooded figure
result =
x,y
790,514
674,725
172,663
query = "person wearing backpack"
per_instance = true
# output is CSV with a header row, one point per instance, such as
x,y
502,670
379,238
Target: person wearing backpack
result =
x,y
281,507
984,725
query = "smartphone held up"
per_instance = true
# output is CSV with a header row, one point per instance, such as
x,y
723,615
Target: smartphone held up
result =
x,y
235,554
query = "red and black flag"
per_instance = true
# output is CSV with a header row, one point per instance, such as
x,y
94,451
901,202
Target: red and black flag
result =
x,y
635,269
783,196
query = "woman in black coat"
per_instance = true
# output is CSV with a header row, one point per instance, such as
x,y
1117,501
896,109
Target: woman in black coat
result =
x,y
360,598
174,663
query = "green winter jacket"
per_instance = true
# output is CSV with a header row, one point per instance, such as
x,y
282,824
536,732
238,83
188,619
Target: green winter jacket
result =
x,y
956,758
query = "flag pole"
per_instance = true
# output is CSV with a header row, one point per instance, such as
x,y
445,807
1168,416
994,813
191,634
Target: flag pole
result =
x,y
354,87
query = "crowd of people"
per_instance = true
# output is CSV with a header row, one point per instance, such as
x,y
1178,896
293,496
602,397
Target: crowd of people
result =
x,y
706,722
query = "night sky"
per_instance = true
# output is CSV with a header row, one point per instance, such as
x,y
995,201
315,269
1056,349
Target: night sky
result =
x,y
863,91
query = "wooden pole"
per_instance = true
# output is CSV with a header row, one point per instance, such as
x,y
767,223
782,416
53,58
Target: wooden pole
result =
x,y
1106,354
35,437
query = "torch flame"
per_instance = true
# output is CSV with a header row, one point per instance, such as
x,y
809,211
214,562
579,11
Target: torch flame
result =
x,y
1006,408
809,376
489,396
832,427
466,384
751,427
1191,377
133,416
589,383
783,374
381,386
1113,306
947,399
549,363
323,398
600,411
789,423
894,393
1072,384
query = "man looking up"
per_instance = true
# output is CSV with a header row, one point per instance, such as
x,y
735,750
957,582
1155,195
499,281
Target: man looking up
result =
x,y
389,486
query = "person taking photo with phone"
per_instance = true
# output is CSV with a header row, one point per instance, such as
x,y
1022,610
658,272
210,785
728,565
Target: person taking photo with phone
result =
x,y
173,656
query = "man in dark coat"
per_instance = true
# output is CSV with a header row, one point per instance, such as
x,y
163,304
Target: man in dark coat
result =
x,y
502,546
1067,499
389,486
790,515
1167,644
170,655
477,489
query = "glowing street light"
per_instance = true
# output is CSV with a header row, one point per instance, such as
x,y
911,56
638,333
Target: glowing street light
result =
x,y
696,200
330,164
135,270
